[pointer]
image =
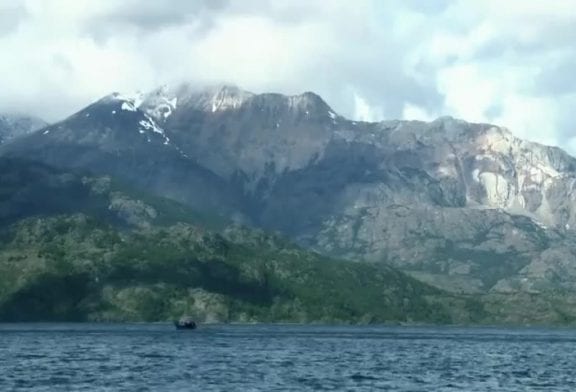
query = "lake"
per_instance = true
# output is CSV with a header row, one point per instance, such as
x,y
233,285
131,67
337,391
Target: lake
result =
x,y
155,357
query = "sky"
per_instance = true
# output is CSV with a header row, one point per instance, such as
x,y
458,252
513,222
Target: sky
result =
x,y
507,62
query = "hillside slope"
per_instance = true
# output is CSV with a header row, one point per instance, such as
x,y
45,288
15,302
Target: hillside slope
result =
x,y
77,247
72,268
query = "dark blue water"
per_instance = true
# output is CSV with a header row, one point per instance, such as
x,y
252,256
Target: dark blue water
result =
x,y
86,357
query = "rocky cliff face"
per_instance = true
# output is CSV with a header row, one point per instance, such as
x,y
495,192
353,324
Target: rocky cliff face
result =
x,y
464,206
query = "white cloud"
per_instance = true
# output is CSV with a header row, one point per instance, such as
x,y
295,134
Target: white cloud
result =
x,y
413,112
481,60
364,112
491,71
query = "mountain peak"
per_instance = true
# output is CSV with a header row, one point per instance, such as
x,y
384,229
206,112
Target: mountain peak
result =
x,y
226,90
113,121
214,98
227,97
161,102
309,101
130,102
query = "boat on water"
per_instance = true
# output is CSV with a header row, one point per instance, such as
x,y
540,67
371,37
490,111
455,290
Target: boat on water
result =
x,y
185,323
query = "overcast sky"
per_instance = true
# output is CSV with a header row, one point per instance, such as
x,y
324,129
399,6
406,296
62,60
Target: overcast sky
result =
x,y
509,62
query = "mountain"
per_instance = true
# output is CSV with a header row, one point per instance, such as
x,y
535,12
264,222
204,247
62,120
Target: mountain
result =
x,y
75,247
465,207
468,207
12,126
237,133
114,137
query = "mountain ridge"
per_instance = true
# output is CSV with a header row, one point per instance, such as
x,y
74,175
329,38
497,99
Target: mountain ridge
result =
x,y
463,206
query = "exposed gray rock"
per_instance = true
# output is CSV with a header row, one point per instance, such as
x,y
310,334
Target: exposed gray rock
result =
x,y
134,212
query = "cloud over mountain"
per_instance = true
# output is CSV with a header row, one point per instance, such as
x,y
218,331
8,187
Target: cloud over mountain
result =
x,y
482,60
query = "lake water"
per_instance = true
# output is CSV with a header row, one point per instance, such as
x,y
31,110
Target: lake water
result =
x,y
142,357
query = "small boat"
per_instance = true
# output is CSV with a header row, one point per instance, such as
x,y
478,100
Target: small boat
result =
x,y
185,323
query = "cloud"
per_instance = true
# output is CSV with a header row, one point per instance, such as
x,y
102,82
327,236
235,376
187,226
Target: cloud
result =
x,y
10,17
482,60
509,66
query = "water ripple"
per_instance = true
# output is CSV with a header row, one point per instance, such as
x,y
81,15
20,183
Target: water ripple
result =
x,y
140,357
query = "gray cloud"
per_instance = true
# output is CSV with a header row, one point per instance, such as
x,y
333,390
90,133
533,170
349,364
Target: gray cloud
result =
x,y
427,6
150,16
558,79
11,15
493,112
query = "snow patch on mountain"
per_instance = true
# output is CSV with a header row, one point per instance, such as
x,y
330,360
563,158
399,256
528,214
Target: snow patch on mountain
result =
x,y
129,101
148,124
128,106
163,108
160,103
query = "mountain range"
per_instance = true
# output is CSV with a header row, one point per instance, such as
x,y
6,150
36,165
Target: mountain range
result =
x,y
466,208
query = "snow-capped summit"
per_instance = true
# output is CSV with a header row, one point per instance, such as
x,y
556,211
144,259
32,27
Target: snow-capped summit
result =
x,y
113,121
129,102
225,98
162,102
